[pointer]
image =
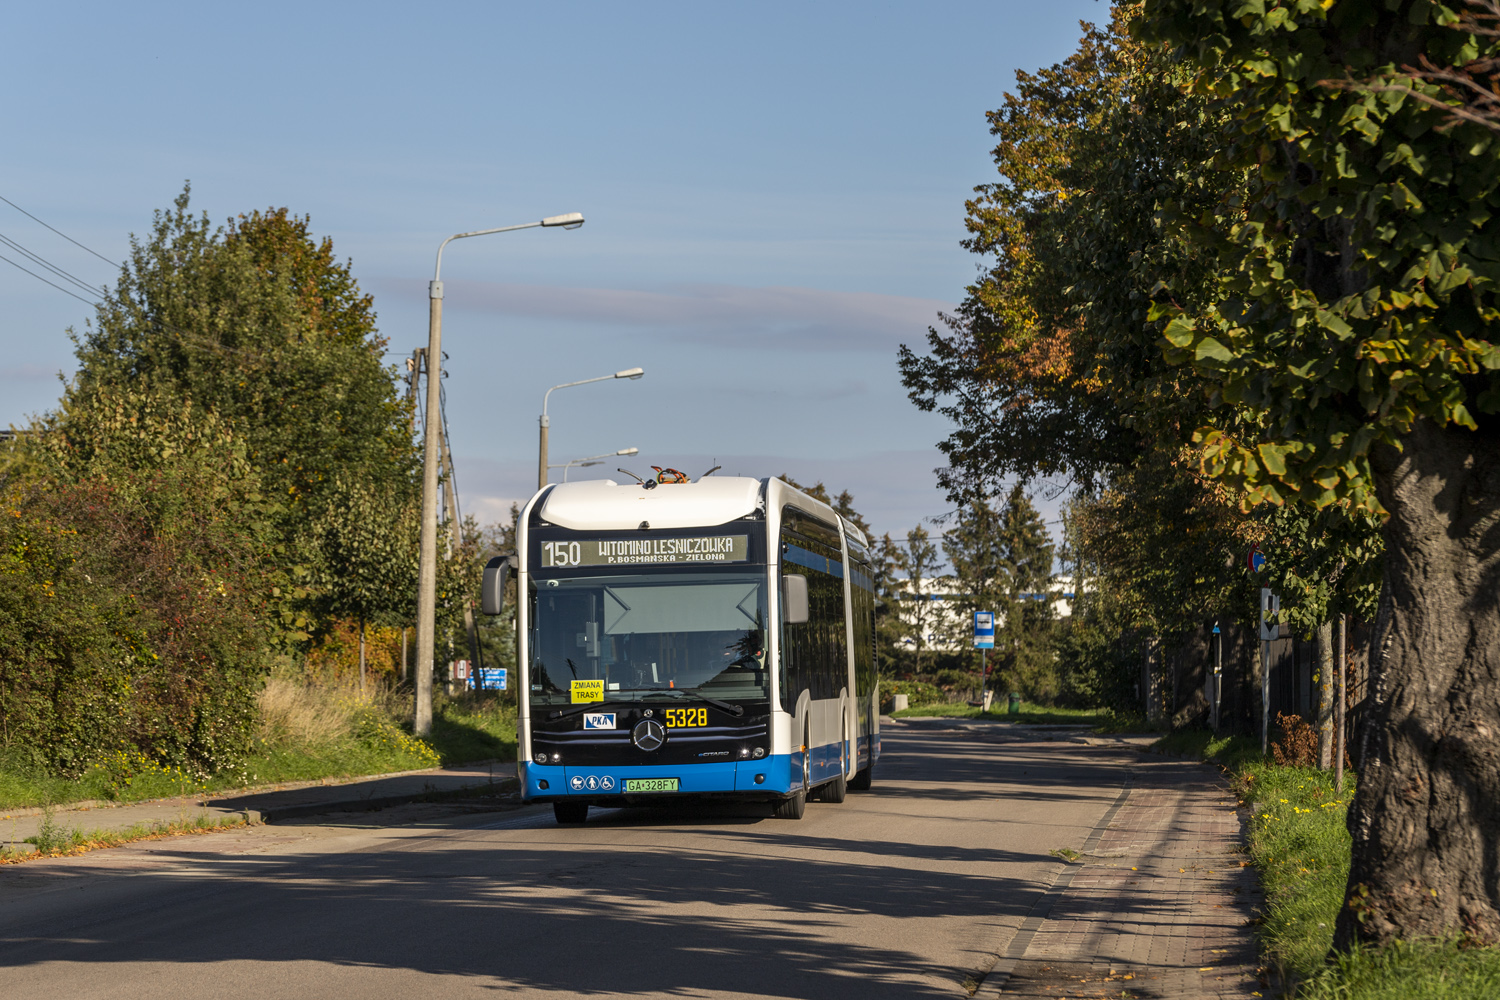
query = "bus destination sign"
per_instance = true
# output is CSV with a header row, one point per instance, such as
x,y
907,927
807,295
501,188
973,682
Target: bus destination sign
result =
x,y
642,551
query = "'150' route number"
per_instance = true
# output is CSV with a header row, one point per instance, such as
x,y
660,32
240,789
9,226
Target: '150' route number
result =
x,y
562,553
685,718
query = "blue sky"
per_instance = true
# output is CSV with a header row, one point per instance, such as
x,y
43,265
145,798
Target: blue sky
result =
x,y
774,195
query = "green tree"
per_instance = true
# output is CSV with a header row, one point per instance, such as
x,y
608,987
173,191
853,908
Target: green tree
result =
x,y
1025,655
258,329
1353,323
917,559
367,545
1049,368
1052,365
972,546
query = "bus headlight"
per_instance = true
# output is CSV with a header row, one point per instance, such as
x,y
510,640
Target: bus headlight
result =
x,y
541,758
759,752
744,751
557,758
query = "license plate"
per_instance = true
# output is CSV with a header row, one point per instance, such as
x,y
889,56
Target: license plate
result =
x,y
651,784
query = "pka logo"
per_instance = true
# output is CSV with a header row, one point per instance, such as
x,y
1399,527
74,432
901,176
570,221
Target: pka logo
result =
x,y
598,720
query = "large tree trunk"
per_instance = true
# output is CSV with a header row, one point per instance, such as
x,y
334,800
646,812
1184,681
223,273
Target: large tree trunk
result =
x,y
1426,813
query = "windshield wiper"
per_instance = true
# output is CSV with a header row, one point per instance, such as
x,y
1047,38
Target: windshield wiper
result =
x,y
693,693
700,696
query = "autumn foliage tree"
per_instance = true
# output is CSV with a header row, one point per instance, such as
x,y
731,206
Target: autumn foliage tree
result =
x,y
1250,243
1354,317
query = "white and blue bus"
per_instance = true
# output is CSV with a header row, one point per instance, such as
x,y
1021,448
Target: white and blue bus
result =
x,y
706,639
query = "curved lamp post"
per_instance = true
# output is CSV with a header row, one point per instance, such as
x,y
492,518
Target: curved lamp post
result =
x,y
541,465
427,561
592,460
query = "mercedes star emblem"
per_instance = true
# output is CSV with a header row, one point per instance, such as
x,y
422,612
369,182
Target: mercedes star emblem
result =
x,y
648,734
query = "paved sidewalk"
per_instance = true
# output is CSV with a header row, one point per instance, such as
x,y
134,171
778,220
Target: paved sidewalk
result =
x,y
268,804
1157,906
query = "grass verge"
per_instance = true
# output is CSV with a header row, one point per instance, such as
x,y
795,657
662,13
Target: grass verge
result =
x,y
1298,841
308,733
54,842
1096,718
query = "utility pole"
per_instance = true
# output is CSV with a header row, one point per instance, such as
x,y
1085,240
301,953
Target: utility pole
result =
x,y
427,558
1338,747
421,723
450,503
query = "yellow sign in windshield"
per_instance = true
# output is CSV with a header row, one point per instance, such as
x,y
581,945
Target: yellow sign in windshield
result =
x,y
586,691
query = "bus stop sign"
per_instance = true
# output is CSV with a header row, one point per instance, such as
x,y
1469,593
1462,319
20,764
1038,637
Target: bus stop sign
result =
x,y
984,630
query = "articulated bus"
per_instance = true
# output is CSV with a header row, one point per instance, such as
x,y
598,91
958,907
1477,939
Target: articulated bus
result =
x,y
691,639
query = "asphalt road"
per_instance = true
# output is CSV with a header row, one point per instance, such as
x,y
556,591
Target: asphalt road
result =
x,y
902,891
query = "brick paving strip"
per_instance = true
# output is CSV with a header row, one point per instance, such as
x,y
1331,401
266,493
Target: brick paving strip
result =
x,y
268,803
1158,905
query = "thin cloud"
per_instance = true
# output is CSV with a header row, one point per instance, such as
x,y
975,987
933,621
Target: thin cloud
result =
x,y
723,315
26,373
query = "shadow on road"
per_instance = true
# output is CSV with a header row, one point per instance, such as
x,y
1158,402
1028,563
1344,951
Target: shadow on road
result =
x,y
751,907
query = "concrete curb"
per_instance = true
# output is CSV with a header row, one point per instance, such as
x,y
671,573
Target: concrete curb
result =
x,y
208,799
277,814
276,804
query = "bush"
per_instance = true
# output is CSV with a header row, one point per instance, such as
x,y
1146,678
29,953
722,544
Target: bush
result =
x,y
918,693
128,622
963,680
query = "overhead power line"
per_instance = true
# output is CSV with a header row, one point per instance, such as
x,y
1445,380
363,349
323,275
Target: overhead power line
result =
x,y
44,281
59,232
39,259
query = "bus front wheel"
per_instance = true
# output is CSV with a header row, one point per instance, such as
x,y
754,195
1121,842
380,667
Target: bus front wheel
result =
x,y
794,807
569,813
836,789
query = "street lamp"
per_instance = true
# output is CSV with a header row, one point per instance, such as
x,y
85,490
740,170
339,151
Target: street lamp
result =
x,y
427,560
541,465
592,460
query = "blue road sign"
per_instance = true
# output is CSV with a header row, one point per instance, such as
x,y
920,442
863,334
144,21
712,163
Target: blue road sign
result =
x,y
491,678
984,630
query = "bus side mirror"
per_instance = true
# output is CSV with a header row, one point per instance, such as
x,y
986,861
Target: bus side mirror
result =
x,y
794,599
492,594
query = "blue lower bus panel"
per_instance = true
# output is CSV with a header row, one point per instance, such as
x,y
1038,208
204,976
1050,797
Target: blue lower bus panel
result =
x,y
553,781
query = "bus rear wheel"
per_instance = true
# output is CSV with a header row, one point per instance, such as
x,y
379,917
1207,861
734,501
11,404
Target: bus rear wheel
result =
x,y
862,779
569,813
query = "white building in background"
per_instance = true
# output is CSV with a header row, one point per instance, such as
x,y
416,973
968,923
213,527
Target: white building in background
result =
x,y
946,627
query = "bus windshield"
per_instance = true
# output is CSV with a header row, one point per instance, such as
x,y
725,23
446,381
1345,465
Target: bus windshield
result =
x,y
625,637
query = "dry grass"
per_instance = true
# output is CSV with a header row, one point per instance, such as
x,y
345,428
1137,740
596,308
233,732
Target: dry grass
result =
x,y
295,712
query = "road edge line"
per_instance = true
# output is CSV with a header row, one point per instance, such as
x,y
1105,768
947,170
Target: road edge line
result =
x,y
999,971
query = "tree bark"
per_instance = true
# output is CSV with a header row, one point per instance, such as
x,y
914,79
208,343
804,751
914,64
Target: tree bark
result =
x,y
1325,695
1426,813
